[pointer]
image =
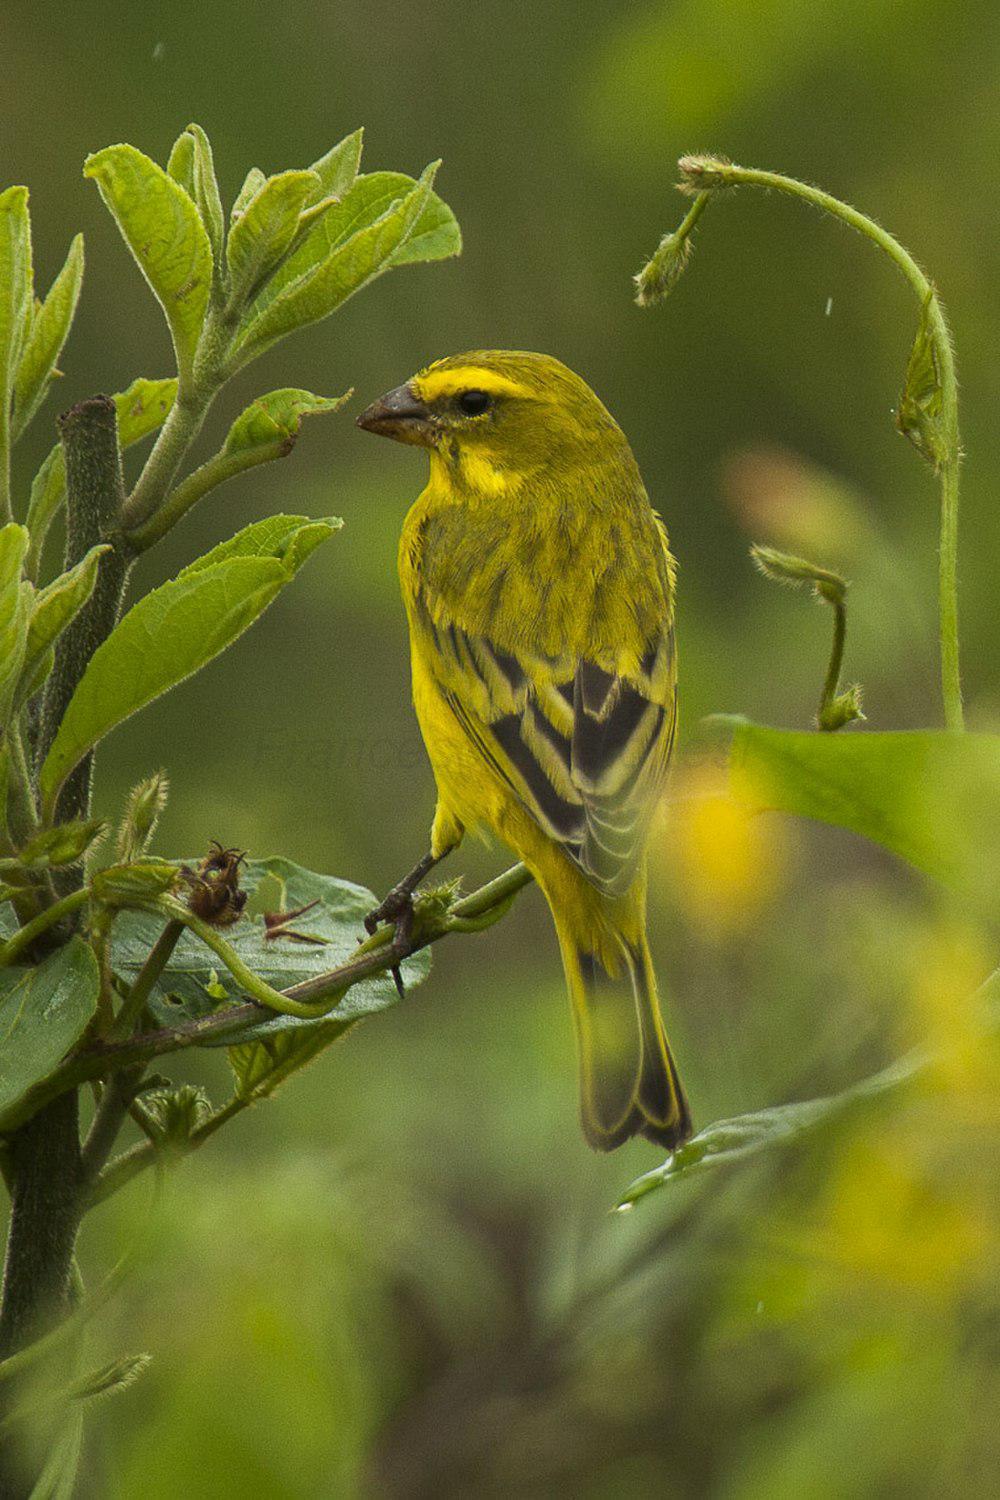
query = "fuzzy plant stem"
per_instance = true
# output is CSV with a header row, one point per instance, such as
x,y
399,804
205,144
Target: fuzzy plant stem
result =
x,y
95,497
44,1154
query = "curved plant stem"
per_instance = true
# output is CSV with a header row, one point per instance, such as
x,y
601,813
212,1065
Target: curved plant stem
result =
x,y
263,993
197,484
705,175
26,935
184,422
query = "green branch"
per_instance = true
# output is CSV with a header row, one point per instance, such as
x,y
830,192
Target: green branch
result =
x,y
197,484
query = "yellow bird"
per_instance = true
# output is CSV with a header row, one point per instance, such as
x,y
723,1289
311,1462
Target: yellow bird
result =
x,y
539,589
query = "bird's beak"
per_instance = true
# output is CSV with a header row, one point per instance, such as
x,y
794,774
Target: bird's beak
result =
x,y
399,414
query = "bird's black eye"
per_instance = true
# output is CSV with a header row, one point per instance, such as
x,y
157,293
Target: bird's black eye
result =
x,y
474,403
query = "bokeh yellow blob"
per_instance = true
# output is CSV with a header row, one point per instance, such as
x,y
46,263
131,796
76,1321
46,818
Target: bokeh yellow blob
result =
x,y
726,862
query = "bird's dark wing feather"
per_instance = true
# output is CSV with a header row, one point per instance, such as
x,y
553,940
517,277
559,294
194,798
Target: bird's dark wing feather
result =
x,y
584,750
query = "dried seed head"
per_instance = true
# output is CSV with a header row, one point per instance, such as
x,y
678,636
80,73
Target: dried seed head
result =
x,y
214,892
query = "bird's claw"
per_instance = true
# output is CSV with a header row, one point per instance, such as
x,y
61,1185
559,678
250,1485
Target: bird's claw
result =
x,y
397,908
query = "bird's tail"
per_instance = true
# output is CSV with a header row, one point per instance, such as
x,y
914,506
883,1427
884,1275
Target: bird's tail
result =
x,y
629,1083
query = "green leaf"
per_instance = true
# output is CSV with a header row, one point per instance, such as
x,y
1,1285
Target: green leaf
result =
x,y
193,972
53,609
729,1141
252,184
15,607
349,246
63,845
919,414
180,162
141,410
204,187
44,1011
164,231
167,636
136,880
171,1116
108,1379
15,286
143,808
265,229
277,417
261,1067
338,169
49,330
435,236
930,797
290,539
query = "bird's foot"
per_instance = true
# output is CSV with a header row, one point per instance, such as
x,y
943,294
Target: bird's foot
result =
x,y
397,908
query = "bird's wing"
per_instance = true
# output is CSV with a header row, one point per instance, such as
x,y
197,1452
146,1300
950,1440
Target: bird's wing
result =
x,y
584,750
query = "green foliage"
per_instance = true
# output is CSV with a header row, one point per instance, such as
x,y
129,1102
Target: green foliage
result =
x,y
199,181
15,610
48,333
145,804
171,1116
15,314
277,418
929,796
52,610
338,169
44,1011
728,1142
265,228
192,983
65,844
165,637
384,219
164,231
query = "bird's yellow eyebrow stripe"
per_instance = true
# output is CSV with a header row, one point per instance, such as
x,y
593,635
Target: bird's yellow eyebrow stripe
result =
x,y
436,385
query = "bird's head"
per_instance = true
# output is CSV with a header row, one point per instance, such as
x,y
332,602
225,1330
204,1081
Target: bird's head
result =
x,y
493,415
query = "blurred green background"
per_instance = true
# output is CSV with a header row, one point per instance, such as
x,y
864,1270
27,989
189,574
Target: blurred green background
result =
x,y
400,1277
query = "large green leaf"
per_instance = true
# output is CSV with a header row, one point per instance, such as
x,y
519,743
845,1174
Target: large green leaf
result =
x,y
15,609
141,410
164,231
167,636
290,539
265,229
15,286
348,246
195,983
44,1011
49,330
930,797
